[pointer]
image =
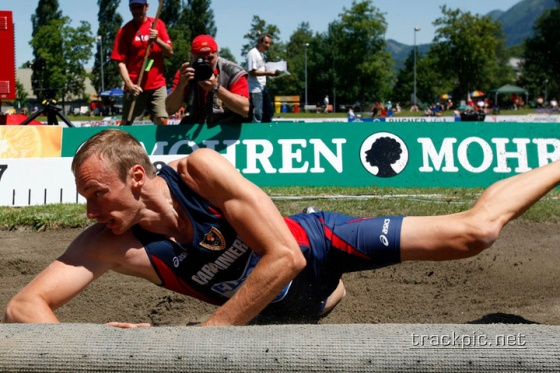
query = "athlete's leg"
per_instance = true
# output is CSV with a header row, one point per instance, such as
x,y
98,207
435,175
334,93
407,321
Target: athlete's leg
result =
x,y
335,298
468,233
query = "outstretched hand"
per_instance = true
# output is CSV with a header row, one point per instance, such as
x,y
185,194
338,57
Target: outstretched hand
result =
x,y
127,325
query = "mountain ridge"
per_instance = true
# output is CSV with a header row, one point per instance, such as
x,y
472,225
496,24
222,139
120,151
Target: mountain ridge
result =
x,y
517,23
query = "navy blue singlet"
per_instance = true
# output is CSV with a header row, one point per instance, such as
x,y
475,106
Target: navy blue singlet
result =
x,y
216,263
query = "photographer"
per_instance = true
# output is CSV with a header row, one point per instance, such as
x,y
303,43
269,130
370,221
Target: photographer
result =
x,y
214,89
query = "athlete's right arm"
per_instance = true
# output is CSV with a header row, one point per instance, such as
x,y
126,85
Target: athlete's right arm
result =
x,y
61,281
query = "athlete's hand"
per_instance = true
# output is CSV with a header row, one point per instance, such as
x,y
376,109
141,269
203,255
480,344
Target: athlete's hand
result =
x,y
127,325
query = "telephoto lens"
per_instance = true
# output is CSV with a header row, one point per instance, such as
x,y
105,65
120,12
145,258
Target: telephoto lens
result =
x,y
202,69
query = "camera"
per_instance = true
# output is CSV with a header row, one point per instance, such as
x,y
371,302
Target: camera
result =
x,y
202,69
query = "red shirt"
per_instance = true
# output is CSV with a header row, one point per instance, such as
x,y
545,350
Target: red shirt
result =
x,y
130,48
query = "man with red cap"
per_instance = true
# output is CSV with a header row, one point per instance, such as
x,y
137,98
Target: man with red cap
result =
x,y
215,89
129,51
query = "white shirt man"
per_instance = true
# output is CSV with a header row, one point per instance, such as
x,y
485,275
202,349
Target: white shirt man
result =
x,y
256,67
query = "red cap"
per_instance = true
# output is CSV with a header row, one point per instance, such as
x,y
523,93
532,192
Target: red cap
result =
x,y
204,44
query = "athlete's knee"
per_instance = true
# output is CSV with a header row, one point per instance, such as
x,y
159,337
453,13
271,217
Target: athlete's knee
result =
x,y
479,235
334,299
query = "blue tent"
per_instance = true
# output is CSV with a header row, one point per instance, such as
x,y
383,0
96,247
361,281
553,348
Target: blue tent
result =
x,y
113,92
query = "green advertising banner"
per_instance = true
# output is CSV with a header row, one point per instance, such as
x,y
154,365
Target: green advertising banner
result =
x,y
446,154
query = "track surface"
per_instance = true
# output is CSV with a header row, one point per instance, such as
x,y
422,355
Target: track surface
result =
x,y
514,281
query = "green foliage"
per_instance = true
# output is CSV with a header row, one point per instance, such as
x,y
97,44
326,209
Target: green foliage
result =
x,y
352,61
199,17
349,61
226,53
470,50
77,46
21,95
194,18
541,66
294,84
60,52
171,13
47,10
109,23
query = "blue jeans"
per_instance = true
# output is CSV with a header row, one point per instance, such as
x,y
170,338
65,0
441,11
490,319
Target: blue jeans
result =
x,y
262,107
257,99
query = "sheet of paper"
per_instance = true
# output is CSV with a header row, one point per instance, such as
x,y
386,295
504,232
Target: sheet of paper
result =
x,y
280,66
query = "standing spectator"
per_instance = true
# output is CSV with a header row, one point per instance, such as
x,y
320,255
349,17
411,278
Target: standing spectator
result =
x,y
326,103
256,66
351,115
480,105
129,50
221,98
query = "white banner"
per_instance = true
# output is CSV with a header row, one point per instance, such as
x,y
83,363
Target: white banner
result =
x,y
42,181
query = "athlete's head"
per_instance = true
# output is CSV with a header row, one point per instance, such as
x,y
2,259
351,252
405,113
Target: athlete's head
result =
x,y
119,149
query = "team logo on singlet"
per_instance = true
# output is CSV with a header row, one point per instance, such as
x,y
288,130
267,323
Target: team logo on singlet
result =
x,y
213,240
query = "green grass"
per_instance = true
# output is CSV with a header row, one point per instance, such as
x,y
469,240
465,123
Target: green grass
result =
x,y
341,115
48,217
291,200
404,113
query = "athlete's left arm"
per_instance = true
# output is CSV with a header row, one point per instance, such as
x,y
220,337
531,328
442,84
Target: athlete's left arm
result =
x,y
258,223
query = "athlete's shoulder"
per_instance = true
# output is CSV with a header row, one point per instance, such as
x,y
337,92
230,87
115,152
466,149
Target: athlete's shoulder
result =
x,y
98,239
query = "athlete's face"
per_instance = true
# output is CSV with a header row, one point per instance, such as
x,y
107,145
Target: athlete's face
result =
x,y
110,201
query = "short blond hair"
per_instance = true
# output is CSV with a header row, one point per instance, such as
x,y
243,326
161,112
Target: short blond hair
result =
x,y
119,149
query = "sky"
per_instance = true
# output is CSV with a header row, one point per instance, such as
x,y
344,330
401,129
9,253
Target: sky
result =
x,y
233,17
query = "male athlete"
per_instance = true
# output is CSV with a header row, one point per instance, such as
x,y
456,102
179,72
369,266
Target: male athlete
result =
x,y
200,228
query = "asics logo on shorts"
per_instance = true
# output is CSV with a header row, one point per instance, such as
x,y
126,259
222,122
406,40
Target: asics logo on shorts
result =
x,y
383,238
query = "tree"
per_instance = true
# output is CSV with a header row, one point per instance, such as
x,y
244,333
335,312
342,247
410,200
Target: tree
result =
x,y
404,83
47,10
430,83
294,84
200,18
77,50
109,23
226,53
195,18
351,61
172,14
21,95
541,60
470,50
60,52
